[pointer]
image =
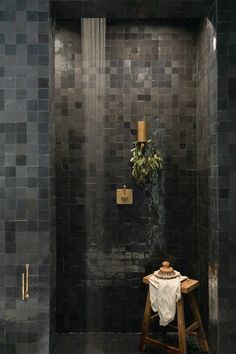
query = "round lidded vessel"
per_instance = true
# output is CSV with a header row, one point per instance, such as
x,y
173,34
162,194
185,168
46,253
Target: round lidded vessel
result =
x,y
166,271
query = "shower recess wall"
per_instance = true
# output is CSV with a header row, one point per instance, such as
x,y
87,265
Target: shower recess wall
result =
x,y
150,73
206,142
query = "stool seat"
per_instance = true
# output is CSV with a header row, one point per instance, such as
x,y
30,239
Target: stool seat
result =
x,y
187,287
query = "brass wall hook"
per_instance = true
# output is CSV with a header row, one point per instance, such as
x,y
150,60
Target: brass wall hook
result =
x,y
25,284
124,196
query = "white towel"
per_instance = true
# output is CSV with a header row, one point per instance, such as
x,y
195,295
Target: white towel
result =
x,y
164,293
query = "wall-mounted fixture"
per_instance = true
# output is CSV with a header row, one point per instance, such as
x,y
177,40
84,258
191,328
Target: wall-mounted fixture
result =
x,y
25,284
124,196
142,131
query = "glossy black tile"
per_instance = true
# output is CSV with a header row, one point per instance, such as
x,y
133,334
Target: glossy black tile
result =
x,y
104,249
23,325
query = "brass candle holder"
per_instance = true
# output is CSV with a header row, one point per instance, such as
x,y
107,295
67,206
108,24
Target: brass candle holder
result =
x,y
142,131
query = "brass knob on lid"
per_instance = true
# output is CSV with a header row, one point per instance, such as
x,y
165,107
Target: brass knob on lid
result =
x,y
166,267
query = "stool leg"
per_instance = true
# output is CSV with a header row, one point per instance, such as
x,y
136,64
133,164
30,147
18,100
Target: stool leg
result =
x,y
181,327
145,324
197,317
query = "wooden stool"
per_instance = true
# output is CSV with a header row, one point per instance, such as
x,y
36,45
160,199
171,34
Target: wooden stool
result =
x,y
187,287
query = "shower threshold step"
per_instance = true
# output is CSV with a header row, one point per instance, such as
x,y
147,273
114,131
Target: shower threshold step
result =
x,y
108,343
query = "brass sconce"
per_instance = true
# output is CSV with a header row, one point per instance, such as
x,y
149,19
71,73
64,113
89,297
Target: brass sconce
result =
x,y
142,131
124,196
25,284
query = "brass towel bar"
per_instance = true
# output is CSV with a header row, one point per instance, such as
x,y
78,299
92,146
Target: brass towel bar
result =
x,y
25,284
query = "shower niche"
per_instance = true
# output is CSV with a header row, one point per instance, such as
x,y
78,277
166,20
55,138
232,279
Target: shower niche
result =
x,y
110,74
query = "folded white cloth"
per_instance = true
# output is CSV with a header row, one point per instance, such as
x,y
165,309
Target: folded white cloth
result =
x,y
164,293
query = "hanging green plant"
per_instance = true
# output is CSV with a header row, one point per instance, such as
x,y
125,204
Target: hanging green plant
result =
x,y
145,161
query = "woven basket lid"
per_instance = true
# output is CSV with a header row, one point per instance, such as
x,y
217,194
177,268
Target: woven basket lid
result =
x,y
166,271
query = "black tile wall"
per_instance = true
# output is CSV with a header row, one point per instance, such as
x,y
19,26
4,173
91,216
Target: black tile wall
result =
x,y
25,175
26,192
151,74
206,148
202,154
43,82
226,130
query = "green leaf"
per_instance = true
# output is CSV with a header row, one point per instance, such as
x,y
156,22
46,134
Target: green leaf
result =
x,y
144,161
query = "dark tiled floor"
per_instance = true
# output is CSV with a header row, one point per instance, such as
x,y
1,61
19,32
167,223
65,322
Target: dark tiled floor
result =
x,y
91,343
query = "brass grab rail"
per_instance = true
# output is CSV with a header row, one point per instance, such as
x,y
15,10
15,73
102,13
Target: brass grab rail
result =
x,y
25,284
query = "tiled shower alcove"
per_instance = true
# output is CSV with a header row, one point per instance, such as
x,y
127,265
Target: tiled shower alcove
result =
x,y
170,62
